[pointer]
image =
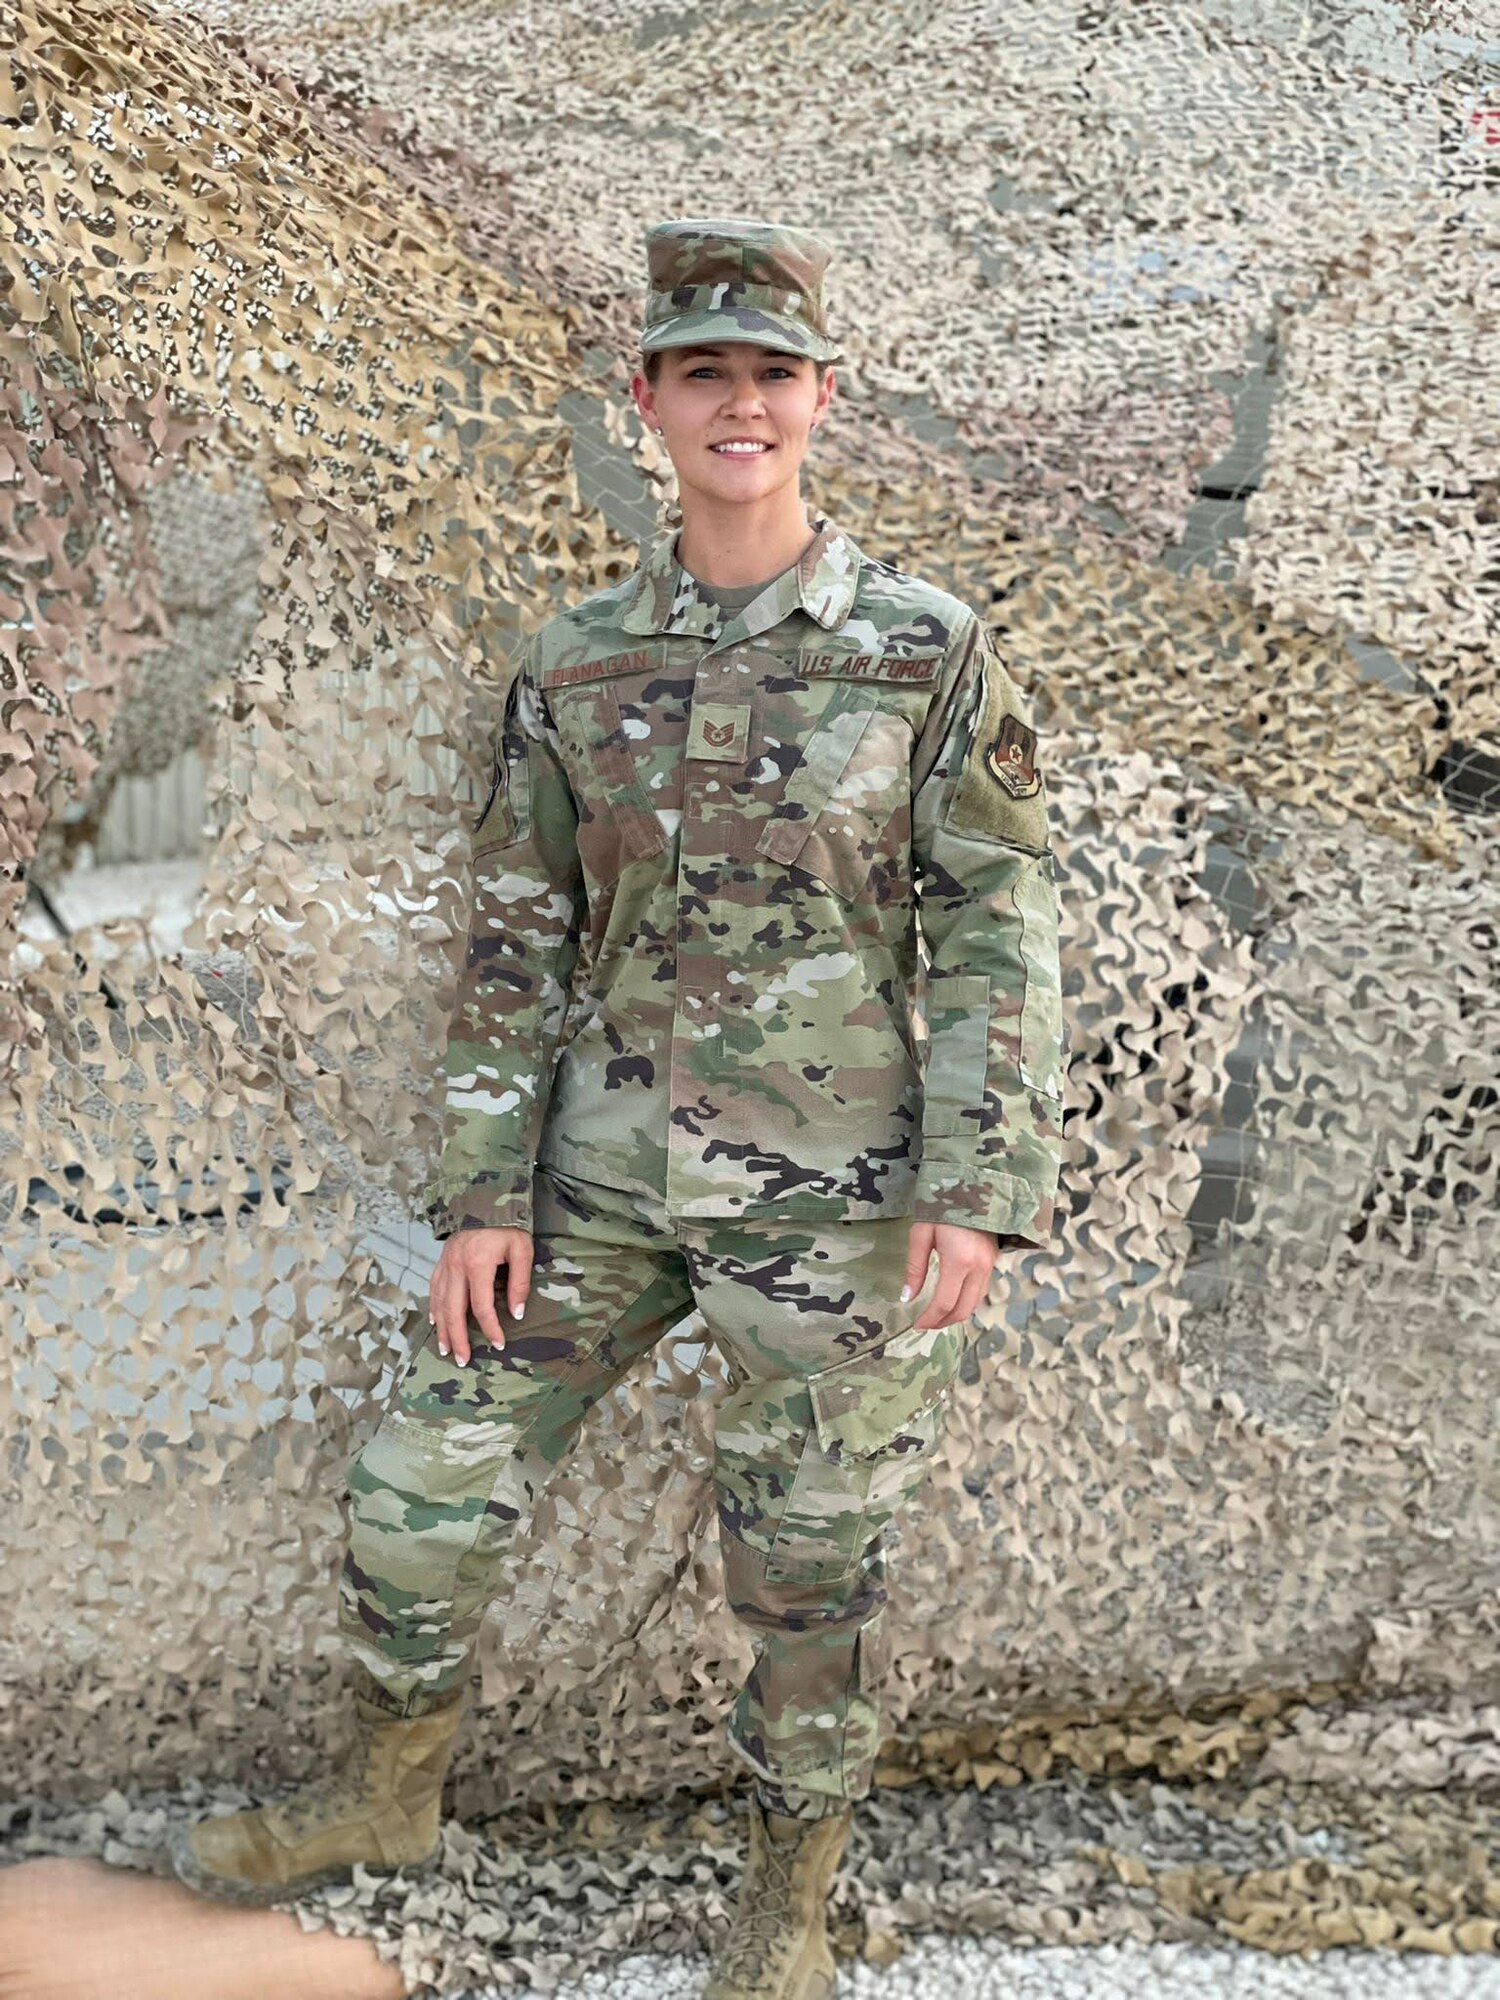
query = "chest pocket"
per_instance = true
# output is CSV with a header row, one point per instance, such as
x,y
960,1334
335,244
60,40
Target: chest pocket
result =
x,y
840,807
617,823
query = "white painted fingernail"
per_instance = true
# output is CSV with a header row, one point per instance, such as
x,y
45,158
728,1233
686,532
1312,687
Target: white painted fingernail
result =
x,y
905,1293
441,1348
521,1310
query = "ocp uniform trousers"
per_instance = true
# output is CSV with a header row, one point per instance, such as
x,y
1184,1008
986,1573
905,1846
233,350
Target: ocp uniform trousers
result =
x,y
835,1409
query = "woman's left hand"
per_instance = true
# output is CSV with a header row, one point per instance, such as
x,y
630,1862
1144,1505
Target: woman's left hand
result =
x,y
966,1257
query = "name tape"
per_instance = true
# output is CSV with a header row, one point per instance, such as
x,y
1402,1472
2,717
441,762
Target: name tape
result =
x,y
641,661
914,669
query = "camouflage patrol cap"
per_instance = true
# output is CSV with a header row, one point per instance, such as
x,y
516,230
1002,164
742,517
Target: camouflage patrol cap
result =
x,y
727,277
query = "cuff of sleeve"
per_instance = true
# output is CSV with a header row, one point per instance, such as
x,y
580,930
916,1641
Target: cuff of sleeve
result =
x,y
485,1201
1015,1210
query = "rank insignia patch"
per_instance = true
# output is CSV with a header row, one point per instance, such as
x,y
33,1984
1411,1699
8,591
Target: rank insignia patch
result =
x,y
1010,758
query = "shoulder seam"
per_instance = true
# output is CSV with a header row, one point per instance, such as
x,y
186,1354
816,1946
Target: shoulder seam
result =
x,y
924,590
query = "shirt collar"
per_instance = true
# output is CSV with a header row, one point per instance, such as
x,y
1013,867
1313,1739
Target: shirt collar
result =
x,y
820,582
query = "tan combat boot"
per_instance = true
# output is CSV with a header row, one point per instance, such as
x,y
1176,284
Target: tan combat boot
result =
x,y
777,1948
380,1804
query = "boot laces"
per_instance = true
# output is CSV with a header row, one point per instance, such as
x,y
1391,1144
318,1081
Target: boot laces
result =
x,y
761,1921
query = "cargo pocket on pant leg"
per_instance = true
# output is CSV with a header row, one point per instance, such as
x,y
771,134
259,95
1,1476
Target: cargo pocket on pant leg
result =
x,y
874,1648
863,1731
876,1419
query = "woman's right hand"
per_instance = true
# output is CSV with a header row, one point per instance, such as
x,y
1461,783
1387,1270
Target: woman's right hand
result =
x,y
464,1283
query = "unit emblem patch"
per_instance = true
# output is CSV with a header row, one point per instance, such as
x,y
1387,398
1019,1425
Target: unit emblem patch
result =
x,y
1010,758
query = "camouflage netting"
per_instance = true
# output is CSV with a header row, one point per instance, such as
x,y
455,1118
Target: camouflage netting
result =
x,y
315,331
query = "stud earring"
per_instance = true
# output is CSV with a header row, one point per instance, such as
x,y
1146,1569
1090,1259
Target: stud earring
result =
x,y
658,430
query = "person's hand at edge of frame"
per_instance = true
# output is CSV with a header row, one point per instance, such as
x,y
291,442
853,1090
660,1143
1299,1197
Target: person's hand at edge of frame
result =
x,y
463,1282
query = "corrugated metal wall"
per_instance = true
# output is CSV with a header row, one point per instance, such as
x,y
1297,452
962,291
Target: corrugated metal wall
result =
x,y
157,818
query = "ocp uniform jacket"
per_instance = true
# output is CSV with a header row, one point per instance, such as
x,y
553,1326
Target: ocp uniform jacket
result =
x,y
692,965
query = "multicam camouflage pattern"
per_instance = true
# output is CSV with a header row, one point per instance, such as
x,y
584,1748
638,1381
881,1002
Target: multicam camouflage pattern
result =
x,y
693,961
729,278
836,1406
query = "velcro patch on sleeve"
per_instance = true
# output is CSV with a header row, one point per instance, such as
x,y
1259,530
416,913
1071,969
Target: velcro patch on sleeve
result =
x,y
998,790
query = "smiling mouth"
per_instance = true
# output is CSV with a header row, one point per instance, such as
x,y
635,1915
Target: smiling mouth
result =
x,y
741,451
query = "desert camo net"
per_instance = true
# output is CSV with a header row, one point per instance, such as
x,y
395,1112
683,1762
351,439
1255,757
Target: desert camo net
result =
x,y
1172,347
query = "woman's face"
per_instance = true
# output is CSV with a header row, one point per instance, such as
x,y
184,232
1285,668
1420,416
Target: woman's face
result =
x,y
734,389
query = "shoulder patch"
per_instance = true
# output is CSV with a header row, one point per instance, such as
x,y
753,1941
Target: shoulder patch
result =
x,y
1011,758
998,791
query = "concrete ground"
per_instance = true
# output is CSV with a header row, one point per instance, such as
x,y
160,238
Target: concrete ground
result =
x,y
948,1968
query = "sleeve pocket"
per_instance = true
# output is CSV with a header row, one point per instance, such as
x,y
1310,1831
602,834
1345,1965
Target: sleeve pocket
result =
x,y
958,1026
1035,899
505,815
